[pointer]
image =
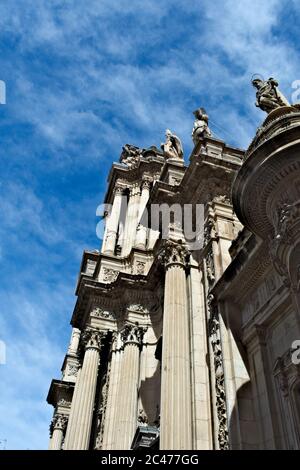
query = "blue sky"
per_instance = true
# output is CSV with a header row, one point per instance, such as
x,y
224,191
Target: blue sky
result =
x,y
83,78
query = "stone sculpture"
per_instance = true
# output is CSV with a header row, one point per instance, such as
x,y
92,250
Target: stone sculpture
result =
x,y
268,97
172,148
200,129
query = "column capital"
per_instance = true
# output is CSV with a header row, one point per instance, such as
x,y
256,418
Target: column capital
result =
x,y
134,190
118,189
173,253
146,184
132,334
92,339
60,422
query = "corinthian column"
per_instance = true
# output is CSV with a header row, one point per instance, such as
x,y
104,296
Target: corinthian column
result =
x,y
82,407
58,427
141,234
128,388
176,399
111,229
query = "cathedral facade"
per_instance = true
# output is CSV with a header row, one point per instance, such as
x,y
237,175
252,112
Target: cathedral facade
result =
x,y
186,324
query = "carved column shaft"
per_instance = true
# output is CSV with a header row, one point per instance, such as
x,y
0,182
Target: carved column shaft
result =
x,y
176,399
129,382
141,234
111,416
79,428
112,223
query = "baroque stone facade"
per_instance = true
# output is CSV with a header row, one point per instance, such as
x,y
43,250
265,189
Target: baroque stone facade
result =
x,y
178,344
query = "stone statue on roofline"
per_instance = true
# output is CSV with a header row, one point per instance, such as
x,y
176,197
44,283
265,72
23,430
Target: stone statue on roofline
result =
x,y
172,147
200,128
268,97
130,155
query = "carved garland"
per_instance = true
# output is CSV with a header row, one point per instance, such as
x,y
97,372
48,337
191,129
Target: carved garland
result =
x,y
215,339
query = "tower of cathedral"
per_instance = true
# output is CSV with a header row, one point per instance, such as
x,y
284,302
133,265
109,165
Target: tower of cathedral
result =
x,y
185,319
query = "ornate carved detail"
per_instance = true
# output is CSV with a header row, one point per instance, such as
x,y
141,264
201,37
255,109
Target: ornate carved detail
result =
x,y
146,183
210,267
109,275
60,422
137,308
92,339
64,402
103,407
140,267
100,313
215,339
142,418
132,334
72,370
224,199
173,253
288,215
131,155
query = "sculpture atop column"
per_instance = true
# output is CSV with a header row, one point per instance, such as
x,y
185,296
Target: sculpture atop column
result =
x,y
268,96
200,128
172,148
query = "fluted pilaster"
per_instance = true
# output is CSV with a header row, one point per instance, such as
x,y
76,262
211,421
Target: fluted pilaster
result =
x,y
79,428
129,382
176,399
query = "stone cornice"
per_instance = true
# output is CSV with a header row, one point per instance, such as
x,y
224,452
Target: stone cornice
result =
x,y
150,166
126,289
59,390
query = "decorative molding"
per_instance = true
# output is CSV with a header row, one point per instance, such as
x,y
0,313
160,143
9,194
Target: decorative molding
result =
x,y
137,308
109,275
64,402
210,267
98,312
215,339
72,370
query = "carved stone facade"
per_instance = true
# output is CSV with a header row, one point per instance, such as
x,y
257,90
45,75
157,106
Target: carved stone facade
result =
x,y
179,345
